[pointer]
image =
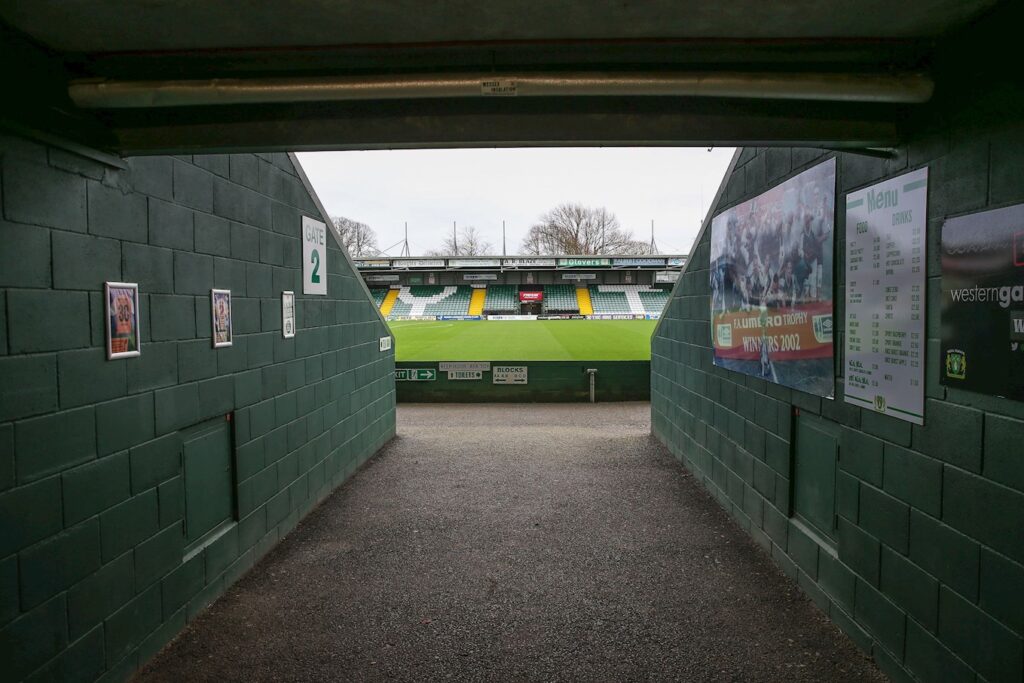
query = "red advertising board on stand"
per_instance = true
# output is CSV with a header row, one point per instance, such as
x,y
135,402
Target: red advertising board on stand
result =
x,y
531,296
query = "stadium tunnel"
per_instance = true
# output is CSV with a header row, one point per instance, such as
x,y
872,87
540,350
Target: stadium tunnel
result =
x,y
149,145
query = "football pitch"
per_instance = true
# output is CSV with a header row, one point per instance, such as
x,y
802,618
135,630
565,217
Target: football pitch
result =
x,y
537,340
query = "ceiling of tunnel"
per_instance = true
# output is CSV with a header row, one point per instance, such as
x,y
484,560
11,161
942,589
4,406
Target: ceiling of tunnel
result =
x,y
100,26
272,46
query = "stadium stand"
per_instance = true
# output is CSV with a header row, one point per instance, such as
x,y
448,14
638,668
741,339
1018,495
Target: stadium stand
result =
x,y
635,299
502,299
654,300
560,299
424,300
378,295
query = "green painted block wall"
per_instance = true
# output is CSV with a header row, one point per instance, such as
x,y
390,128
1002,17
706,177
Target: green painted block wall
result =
x,y
96,573
926,572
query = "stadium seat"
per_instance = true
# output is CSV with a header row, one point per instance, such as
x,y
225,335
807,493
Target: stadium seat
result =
x,y
560,299
502,299
631,299
428,300
378,295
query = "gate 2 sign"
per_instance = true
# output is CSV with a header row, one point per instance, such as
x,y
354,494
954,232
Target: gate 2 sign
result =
x,y
314,257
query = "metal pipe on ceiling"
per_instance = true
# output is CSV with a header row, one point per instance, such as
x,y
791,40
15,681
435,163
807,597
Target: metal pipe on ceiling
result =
x,y
888,88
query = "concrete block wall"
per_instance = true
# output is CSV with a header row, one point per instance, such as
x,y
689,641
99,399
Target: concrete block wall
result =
x,y
927,571
95,576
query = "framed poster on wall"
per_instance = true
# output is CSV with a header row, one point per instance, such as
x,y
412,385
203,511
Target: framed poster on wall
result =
x,y
983,302
885,296
771,283
122,316
220,310
288,314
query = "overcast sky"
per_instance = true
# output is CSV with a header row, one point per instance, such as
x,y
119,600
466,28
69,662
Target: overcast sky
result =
x,y
482,187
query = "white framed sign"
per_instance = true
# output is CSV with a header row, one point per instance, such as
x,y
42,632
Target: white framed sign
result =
x,y
288,314
385,343
314,257
220,312
122,307
886,227
509,374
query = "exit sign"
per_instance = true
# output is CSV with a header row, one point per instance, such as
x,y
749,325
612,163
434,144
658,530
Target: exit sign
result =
x,y
314,257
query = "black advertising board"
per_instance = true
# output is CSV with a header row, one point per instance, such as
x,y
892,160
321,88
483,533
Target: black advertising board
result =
x,y
983,302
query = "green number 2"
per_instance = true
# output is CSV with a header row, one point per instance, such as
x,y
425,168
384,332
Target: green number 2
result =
x,y
314,258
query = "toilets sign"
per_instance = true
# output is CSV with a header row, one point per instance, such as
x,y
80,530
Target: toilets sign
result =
x,y
314,257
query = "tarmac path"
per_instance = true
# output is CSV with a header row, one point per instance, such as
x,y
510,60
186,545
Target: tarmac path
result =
x,y
516,542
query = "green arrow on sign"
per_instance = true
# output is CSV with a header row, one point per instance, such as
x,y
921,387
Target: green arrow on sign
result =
x,y
415,375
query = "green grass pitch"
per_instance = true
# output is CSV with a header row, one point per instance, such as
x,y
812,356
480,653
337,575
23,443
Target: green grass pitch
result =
x,y
496,340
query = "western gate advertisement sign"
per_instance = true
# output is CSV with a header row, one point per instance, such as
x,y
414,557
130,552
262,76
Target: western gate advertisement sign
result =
x,y
771,283
983,302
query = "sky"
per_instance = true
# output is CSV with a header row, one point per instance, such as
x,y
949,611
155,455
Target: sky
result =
x,y
430,189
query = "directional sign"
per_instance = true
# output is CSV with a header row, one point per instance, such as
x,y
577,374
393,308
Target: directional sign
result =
x,y
465,374
509,374
415,374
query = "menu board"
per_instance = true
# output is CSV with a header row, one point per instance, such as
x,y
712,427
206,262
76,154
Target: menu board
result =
x,y
885,296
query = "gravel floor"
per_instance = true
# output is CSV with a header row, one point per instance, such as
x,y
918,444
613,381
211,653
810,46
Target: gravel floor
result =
x,y
516,542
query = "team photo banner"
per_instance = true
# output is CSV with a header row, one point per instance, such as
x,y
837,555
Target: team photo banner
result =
x,y
800,332
771,283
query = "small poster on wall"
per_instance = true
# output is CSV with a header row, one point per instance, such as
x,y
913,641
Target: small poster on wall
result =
x,y
288,314
220,305
983,302
122,308
771,283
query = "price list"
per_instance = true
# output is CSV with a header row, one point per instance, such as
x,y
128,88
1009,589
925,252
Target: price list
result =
x,y
885,296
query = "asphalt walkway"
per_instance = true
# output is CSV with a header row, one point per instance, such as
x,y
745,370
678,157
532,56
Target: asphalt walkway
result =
x,y
516,542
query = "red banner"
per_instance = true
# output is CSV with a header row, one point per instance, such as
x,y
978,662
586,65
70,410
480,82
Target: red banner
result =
x,y
803,331
531,296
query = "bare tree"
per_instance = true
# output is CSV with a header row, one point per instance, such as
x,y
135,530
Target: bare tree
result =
x,y
359,239
577,229
469,243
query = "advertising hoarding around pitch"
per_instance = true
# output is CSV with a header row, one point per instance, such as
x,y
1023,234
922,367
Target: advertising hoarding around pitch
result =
x,y
771,283
983,302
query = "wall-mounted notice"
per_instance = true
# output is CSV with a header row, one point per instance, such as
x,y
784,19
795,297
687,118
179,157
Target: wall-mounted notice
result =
x,y
885,296
314,257
449,366
983,302
509,374
771,283
288,314
385,343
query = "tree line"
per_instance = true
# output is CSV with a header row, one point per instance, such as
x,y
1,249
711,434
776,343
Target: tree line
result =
x,y
569,228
